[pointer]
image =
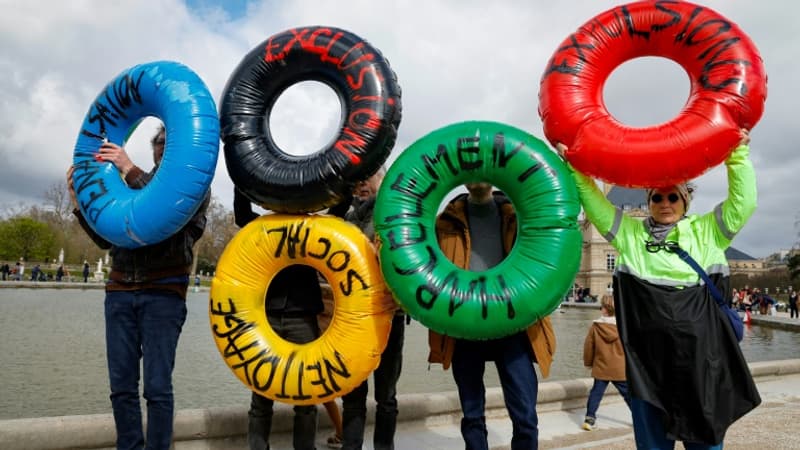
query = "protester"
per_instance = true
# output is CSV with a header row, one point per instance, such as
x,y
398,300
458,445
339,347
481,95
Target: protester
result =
x,y
602,352
793,305
354,404
481,228
293,302
145,308
688,379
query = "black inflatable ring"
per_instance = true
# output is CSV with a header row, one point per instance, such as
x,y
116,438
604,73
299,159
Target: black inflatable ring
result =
x,y
367,88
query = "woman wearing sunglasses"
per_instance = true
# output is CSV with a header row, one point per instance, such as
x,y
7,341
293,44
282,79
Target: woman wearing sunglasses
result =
x,y
688,379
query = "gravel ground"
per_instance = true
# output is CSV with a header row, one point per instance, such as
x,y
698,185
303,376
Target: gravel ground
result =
x,y
770,426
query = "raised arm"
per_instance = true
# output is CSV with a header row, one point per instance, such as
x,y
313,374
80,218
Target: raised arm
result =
x,y
734,211
600,212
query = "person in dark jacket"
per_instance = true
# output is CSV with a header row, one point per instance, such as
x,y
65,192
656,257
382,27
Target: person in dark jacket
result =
x,y
602,352
85,264
385,377
293,301
145,308
35,273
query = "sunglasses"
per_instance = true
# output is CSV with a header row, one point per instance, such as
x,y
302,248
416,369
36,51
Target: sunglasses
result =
x,y
658,198
655,247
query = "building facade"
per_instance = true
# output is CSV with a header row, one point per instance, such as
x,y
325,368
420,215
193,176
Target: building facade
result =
x,y
599,258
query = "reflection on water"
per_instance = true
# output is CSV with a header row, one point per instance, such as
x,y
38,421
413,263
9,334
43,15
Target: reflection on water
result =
x,y
52,355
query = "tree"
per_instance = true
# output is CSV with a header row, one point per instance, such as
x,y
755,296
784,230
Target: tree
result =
x,y
24,237
220,229
69,235
794,266
57,201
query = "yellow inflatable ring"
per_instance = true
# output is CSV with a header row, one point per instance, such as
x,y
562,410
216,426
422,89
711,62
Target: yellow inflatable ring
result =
x,y
349,349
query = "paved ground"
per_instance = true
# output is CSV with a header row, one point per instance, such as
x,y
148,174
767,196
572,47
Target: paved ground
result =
x,y
771,426
779,320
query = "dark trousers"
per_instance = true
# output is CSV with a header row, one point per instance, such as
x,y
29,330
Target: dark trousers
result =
x,y
142,325
596,395
793,310
298,330
385,377
513,358
649,431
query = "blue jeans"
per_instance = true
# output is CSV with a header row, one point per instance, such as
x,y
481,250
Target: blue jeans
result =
x,y
354,404
513,358
142,325
649,431
596,395
298,330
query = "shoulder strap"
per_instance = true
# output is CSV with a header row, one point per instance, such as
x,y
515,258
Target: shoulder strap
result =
x,y
689,260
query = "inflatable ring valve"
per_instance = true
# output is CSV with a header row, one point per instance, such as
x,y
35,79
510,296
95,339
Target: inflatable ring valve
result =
x,y
530,282
133,218
348,350
728,91
367,89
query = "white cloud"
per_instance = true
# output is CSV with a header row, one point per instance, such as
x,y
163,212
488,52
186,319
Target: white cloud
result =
x,y
455,60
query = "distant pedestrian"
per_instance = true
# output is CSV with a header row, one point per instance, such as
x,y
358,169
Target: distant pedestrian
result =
x,y
4,269
197,283
602,352
35,273
60,273
793,305
85,271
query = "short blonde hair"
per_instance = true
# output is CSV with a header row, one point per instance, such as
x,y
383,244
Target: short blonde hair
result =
x,y
607,302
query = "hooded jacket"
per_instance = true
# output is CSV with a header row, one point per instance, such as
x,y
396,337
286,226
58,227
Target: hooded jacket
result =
x,y
602,350
452,233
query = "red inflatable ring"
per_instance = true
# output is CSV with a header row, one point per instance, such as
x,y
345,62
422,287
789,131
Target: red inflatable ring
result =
x,y
728,90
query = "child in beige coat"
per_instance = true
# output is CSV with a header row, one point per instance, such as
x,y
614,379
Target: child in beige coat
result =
x,y
602,352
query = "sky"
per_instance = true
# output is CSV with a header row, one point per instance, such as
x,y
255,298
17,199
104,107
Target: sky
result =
x,y
455,60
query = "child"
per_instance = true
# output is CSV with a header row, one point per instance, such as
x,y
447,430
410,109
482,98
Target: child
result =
x,y
602,351
324,319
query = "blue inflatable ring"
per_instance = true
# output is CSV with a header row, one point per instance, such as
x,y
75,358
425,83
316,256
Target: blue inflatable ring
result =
x,y
133,218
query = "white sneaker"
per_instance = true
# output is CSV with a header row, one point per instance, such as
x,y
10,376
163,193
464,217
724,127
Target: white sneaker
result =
x,y
334,441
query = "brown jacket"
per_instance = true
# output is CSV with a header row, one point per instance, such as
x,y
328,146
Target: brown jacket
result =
x,y
602,351
453,237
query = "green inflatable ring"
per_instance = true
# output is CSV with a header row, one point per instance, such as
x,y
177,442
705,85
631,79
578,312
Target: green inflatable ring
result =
x,y
530,282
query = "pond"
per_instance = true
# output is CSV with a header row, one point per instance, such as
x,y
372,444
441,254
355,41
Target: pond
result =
x,y
52,355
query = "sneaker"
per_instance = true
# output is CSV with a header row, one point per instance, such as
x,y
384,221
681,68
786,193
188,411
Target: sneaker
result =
x,y
588,424
334,441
